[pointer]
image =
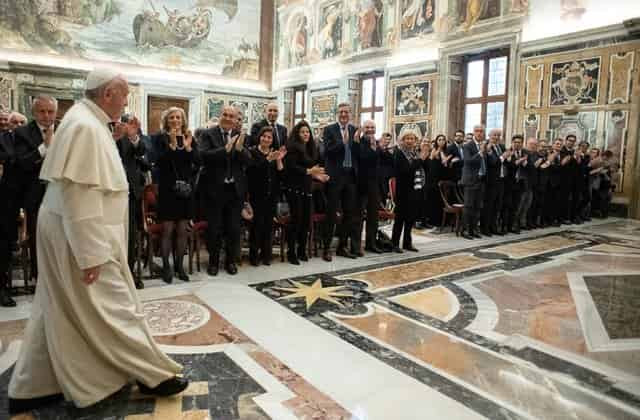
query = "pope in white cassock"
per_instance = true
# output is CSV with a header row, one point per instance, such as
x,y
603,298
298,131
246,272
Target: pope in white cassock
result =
x,y
87,337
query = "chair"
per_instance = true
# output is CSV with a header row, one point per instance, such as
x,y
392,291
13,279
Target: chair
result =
x,y
151,228
25,251
449,194
280,232
196,238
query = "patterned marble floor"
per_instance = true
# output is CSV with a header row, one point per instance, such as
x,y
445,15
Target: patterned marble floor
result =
x,y
541,325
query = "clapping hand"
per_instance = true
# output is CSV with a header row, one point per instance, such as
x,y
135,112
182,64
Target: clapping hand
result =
x,y
357,135
240,142
281,153
173,138
188,140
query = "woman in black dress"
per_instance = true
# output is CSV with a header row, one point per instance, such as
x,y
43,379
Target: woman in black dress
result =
x,y
177,159
301,166
410,179
438,170
264,188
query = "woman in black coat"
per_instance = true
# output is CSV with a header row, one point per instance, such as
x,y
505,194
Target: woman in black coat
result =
x,y
410,180
301,166
177,159
264,189
437,170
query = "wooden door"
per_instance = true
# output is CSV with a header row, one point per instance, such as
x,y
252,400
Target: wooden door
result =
x,y
156,105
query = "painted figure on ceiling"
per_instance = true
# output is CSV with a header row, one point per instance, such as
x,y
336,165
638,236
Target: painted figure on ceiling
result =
x,y
299,40
417,17
330,38
475,9
369,17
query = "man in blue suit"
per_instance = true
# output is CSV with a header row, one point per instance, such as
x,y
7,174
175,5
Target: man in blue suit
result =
x,y
342,146
474,172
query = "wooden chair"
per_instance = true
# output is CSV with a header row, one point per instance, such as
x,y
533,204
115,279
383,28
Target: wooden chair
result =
x,y
152,229
196,239
280,233
452,204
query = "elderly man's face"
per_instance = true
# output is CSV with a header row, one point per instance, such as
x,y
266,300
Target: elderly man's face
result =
x,y
532,145
239,121
4,121
228,118
344,115
115,98
369,128
44,112
272,113
478,133
17,120
495,136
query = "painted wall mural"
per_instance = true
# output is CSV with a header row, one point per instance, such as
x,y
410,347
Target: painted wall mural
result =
x,y
253,108
412,99
213,36
417,17
324,105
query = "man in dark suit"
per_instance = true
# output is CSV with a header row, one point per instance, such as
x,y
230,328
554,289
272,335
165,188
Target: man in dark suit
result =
x,y
270,119
474,172
456,150
341,164
8,226
131,149
369,187
525,160
570,162
386,164
224,184
31,143
494,187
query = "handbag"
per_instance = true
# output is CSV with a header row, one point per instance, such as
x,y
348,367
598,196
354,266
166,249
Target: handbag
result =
x,y
181,188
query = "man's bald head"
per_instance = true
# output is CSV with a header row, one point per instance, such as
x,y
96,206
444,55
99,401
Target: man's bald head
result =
x,y
272,112
495,135
369,128
228,117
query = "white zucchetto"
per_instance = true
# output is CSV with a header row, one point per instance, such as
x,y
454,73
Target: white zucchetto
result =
x,y
101,76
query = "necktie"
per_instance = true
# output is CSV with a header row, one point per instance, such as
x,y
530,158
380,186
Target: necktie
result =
x,y
483,166
229,178
346,163
276,137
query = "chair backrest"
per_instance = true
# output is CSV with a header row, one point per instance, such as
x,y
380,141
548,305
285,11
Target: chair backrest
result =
x,y
149,203
448,192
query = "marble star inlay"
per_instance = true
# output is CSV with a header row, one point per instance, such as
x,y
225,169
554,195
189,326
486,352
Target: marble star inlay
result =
x,y
311,293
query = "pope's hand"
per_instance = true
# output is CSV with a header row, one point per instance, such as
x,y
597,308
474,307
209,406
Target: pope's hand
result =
x,y
48,136
91,275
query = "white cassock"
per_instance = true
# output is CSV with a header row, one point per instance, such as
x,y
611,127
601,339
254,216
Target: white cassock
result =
x,y
86,341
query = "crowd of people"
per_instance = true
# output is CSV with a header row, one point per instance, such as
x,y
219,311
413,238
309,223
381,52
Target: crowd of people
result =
x,y
221,173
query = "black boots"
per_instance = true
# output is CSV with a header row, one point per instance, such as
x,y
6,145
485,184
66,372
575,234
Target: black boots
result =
x,y
167,272
179,269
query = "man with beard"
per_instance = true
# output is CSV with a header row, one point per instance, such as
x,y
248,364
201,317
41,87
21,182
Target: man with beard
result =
x,y
496,153
457,151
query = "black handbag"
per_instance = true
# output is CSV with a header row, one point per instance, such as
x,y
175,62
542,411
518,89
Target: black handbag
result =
x,y
182,189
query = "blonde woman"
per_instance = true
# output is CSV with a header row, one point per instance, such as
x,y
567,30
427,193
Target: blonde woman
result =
x,y
177,159
409,172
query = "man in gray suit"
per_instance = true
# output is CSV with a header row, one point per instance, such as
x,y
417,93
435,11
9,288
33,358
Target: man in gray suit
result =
x,y
474,172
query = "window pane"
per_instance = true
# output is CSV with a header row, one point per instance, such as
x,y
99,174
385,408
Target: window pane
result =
x,y
367,92
495,115
364,117
380,91
298,101
475,76
296,121
497,75
379,124
472,116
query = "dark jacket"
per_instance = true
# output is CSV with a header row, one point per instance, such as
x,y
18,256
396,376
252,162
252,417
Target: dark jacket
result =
x,y
263,177
130,156
27,139
405,173
370,164
279,138
455,167
494,164
472,164
219,165
296,163
335,149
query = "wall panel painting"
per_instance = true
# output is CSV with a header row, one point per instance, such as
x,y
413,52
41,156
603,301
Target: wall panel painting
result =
x,y
472,11
416,17
616,132
531,126
257,111
330,29
214,107
323,108
210,36
411,99
243,106
620,77
575,82
582,124
366,24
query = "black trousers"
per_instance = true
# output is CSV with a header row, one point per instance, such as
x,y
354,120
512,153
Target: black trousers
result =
x,y
554,206
473,201
434,206
223,218
261,230
538,213
369,204
299,221
570,198
493,201
342,194
135,224
8,229
406,213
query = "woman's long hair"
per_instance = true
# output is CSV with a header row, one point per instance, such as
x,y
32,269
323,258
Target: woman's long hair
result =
x,y
309,149
165,119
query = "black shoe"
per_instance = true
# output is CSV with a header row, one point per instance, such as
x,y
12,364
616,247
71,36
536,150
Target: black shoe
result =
x,y
475,235
139,284
302,255
253,260
397,250
293,259
467,236
182,275
357,253
373,249
21,405
167,274
342,252
266,261
410,248
486,233
212,270
231,268
326,255
167,388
